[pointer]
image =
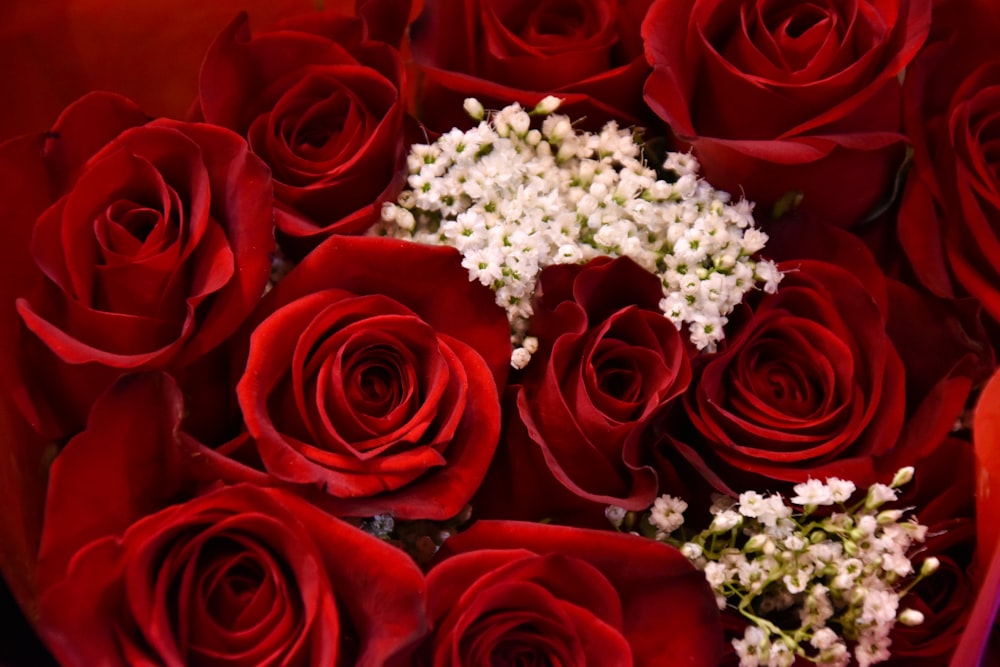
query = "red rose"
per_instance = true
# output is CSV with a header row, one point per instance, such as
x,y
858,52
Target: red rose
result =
x,y
785,96
609,362
949,221
155,247
587,52
134,572
242,576
813,383
521,593
375,377
323,110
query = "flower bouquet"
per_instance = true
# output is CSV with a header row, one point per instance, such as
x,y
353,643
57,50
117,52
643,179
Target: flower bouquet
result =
x,y
468,332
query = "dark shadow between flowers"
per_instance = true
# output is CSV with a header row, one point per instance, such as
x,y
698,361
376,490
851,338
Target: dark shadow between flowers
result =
x,y
20,646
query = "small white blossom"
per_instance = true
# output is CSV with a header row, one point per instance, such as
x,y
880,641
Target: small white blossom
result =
x,y
751,503
902,477
615,515
879,607
691,550
812,492
872,648
667,513
474,108
520,357
841,490
548,105
824,638
771,511
752,646
716,574
797,581
878,495
725,521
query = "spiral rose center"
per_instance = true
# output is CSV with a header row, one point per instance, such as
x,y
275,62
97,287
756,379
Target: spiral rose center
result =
x,y
559,17
796,21
377,382
133,229
320,124
784,385
229,596
233,584
510,654
140,222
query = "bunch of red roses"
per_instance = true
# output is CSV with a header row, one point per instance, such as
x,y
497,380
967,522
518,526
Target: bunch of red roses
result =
x,y
193,440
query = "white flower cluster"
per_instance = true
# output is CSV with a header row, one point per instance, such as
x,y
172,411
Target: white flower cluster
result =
x,y
514,200
841,573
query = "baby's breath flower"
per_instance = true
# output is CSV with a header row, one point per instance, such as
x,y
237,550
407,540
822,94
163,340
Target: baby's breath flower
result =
x,y
878,495
929,566
725,521
844,572
812,492
841,490
615,515
474,108
667,514
902,477
514,200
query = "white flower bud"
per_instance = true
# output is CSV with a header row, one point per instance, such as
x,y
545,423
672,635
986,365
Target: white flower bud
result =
x,y
929,566
519,358
902,476
885,517
474,108
615,515
388,211
725,521
548,104
691,550
910,617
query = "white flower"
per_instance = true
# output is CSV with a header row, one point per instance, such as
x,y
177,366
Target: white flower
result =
x,y
910,617
615,515
878,495
817,607
841,490
812,492
667,513
474,108
824,638
725,521
692,551
751,646
716,574
797,581
872,648
929,566
897,563
547,105
527,198
879,607
772,510
520,357
781,655
902,476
